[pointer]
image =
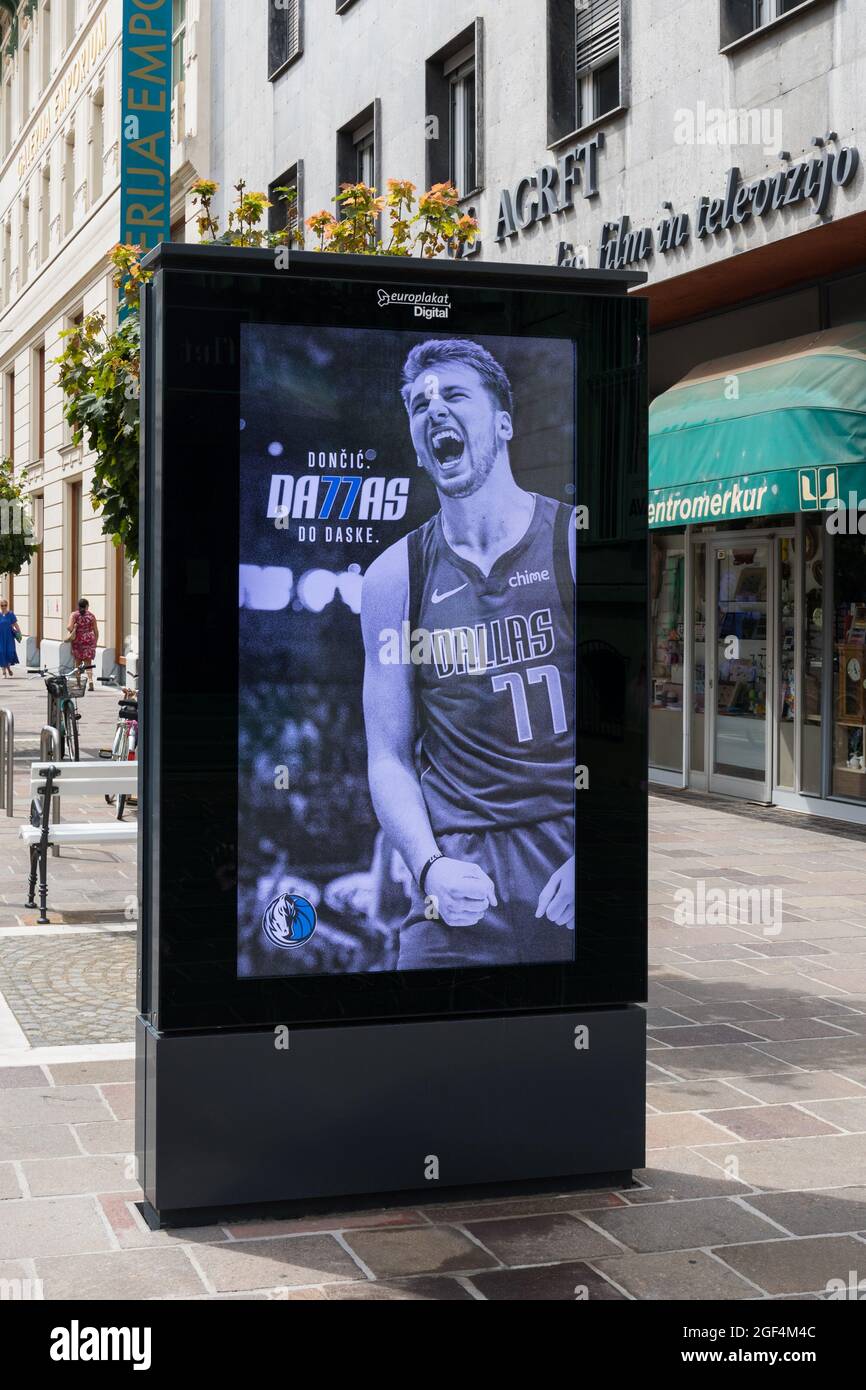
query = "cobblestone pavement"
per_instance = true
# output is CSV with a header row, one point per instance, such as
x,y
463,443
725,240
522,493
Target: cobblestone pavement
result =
x,y
755,1185
71,989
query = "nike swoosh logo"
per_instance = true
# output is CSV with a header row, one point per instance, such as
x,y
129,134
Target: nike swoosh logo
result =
x,y
440,598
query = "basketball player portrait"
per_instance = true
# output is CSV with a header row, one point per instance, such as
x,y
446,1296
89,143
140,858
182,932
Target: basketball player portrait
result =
x,y
471,753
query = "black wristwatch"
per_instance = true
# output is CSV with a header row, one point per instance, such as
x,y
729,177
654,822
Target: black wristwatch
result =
x,y
422,877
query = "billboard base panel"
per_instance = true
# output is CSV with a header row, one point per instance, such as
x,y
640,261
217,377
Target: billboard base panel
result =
x,y
286,1120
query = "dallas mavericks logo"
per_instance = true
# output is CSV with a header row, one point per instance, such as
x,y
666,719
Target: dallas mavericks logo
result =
x,y
289,921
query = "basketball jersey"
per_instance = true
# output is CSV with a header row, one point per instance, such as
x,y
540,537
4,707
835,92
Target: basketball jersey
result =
x,y
496,692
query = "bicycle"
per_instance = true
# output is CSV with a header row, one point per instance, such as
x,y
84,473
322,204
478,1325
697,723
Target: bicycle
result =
x,y
125,745
65,689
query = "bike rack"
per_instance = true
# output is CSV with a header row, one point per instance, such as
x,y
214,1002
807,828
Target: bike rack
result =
x,y
49,751
7,761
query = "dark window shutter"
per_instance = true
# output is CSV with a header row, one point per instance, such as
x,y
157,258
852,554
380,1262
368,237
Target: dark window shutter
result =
x,y
437,98
561,106
284,34
597,34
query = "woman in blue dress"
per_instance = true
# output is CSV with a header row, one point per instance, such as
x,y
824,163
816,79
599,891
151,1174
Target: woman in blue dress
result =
x,y
8,645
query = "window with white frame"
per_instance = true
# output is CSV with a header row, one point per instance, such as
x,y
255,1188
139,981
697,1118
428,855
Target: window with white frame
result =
x,y
359,149
37,403
25,240
454,102
9,413
286,197
364,141
69,183
7,262
178,39
45,44
598,29
742,17
26,85
8,117
45,215
97,146
460,72
70,22
73,319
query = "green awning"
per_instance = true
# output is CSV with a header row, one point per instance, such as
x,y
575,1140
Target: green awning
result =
x,y
782,429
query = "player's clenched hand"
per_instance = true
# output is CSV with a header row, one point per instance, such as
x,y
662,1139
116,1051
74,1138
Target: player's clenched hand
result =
x,y
461,892
556,902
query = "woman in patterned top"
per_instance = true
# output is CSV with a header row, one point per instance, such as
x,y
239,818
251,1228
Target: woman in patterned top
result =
x,y
84,632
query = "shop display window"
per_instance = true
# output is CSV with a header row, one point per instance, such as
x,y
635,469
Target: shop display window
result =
x,y
849,668
740,724
787,683
742,685
667,637
699,666
813,658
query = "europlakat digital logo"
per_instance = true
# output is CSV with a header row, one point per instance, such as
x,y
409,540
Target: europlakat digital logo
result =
x,y
427,304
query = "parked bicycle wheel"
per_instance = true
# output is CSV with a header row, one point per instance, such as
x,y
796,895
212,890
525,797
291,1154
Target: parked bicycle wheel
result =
x,y
118,753
128,755
69,733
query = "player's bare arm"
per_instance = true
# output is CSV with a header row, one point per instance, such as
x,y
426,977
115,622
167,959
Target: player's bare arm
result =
x,y
462,891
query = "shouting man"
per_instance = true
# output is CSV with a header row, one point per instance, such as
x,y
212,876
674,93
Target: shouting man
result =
x,y
471,753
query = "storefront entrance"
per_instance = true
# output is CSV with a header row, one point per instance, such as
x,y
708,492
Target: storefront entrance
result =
x,y
758,656
725,647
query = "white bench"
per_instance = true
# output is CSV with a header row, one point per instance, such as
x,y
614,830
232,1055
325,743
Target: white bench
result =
x,y
47,782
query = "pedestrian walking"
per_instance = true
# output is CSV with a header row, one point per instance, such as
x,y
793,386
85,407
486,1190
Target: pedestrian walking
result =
x,y
83,629
10,636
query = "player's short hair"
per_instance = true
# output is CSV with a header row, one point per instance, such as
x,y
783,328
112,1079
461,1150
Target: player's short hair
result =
x,y
437,352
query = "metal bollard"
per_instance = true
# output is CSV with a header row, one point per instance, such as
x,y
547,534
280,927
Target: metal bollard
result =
x,y
7,761
49,751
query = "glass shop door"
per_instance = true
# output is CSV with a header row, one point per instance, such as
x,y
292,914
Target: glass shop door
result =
x,y
739,677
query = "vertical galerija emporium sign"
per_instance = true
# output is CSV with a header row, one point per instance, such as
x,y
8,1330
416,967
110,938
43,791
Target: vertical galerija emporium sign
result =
x,y
145,177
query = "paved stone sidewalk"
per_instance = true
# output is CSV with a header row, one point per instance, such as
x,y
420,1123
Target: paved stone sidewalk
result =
x,y
756,1180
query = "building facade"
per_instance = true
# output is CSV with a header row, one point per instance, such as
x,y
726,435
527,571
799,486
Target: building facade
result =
x,y
60,110
715,145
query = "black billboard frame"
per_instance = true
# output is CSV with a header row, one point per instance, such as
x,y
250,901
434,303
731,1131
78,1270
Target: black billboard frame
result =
x,y
187,989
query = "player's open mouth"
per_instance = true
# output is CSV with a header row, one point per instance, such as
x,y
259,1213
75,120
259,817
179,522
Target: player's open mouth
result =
x,y
447,447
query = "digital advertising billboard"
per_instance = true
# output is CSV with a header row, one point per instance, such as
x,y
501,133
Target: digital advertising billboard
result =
x,y
407,650
393,767
397,601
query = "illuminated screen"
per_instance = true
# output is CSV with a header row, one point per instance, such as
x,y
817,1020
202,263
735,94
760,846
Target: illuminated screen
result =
x,y
407,651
